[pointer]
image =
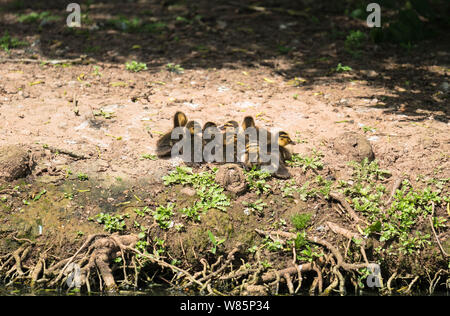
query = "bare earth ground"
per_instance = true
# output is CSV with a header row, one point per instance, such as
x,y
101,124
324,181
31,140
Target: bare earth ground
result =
x,y
396,98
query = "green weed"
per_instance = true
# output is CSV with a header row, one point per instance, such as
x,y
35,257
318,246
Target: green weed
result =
x,y
215,242
210,193
135,66
301,221
174,68
7,42
305,162
257,206
257,180
163,215
82,177
112,223
354,42
341,68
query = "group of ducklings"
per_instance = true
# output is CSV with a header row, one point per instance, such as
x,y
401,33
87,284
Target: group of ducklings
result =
x,y
230,131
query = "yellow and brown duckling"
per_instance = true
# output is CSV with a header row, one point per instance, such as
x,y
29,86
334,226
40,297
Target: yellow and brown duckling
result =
x,y
283,155
230,133
213,152
165,142
252,154
195,134
283,141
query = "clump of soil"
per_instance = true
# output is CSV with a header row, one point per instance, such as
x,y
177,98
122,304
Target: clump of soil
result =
x,y
231,177
355,147
15,162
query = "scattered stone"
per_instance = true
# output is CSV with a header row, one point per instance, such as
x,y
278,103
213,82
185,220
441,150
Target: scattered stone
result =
x,y
15,162
222,89
246,104
191,105
354,146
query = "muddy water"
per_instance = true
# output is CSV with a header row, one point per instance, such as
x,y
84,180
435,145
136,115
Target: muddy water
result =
x,y
26,291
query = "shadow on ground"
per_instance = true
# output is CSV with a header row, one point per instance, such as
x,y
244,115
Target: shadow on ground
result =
x,y
302,39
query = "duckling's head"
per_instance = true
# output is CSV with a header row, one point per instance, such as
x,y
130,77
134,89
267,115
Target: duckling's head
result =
x,y
193,127
209,124
230,126
248,122
179,119
284,139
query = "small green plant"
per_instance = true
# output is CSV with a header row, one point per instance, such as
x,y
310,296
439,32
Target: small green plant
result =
x,y
142,212
256,179
192,212
368,129
215,242
83,177
125,24
179,227
305,251
305,193
266,264
135,66
324,186
301,221
368,171
341,68
97,72
273,245
289,189
313,162
210,193
105,114
354,42
7,42
174,68
35,17
155,28
163,215
149,157
159,247
284,49
38,196
257,206
141,246
112,223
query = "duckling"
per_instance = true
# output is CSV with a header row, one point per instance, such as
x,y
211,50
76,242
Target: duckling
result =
x,y
283,141
248,122
212,149
165,142
195,142
211,126
231,130
270,159
283,155
252,154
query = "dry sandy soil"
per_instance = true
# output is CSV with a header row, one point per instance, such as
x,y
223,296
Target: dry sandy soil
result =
x,y
235,64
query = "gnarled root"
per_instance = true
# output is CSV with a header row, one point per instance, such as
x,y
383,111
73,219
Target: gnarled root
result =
x,y
102,251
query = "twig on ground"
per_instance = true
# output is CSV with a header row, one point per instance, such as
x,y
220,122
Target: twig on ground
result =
x,y
341,199
444,254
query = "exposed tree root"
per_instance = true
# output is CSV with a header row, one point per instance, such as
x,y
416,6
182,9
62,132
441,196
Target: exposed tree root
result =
x,y
110,261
